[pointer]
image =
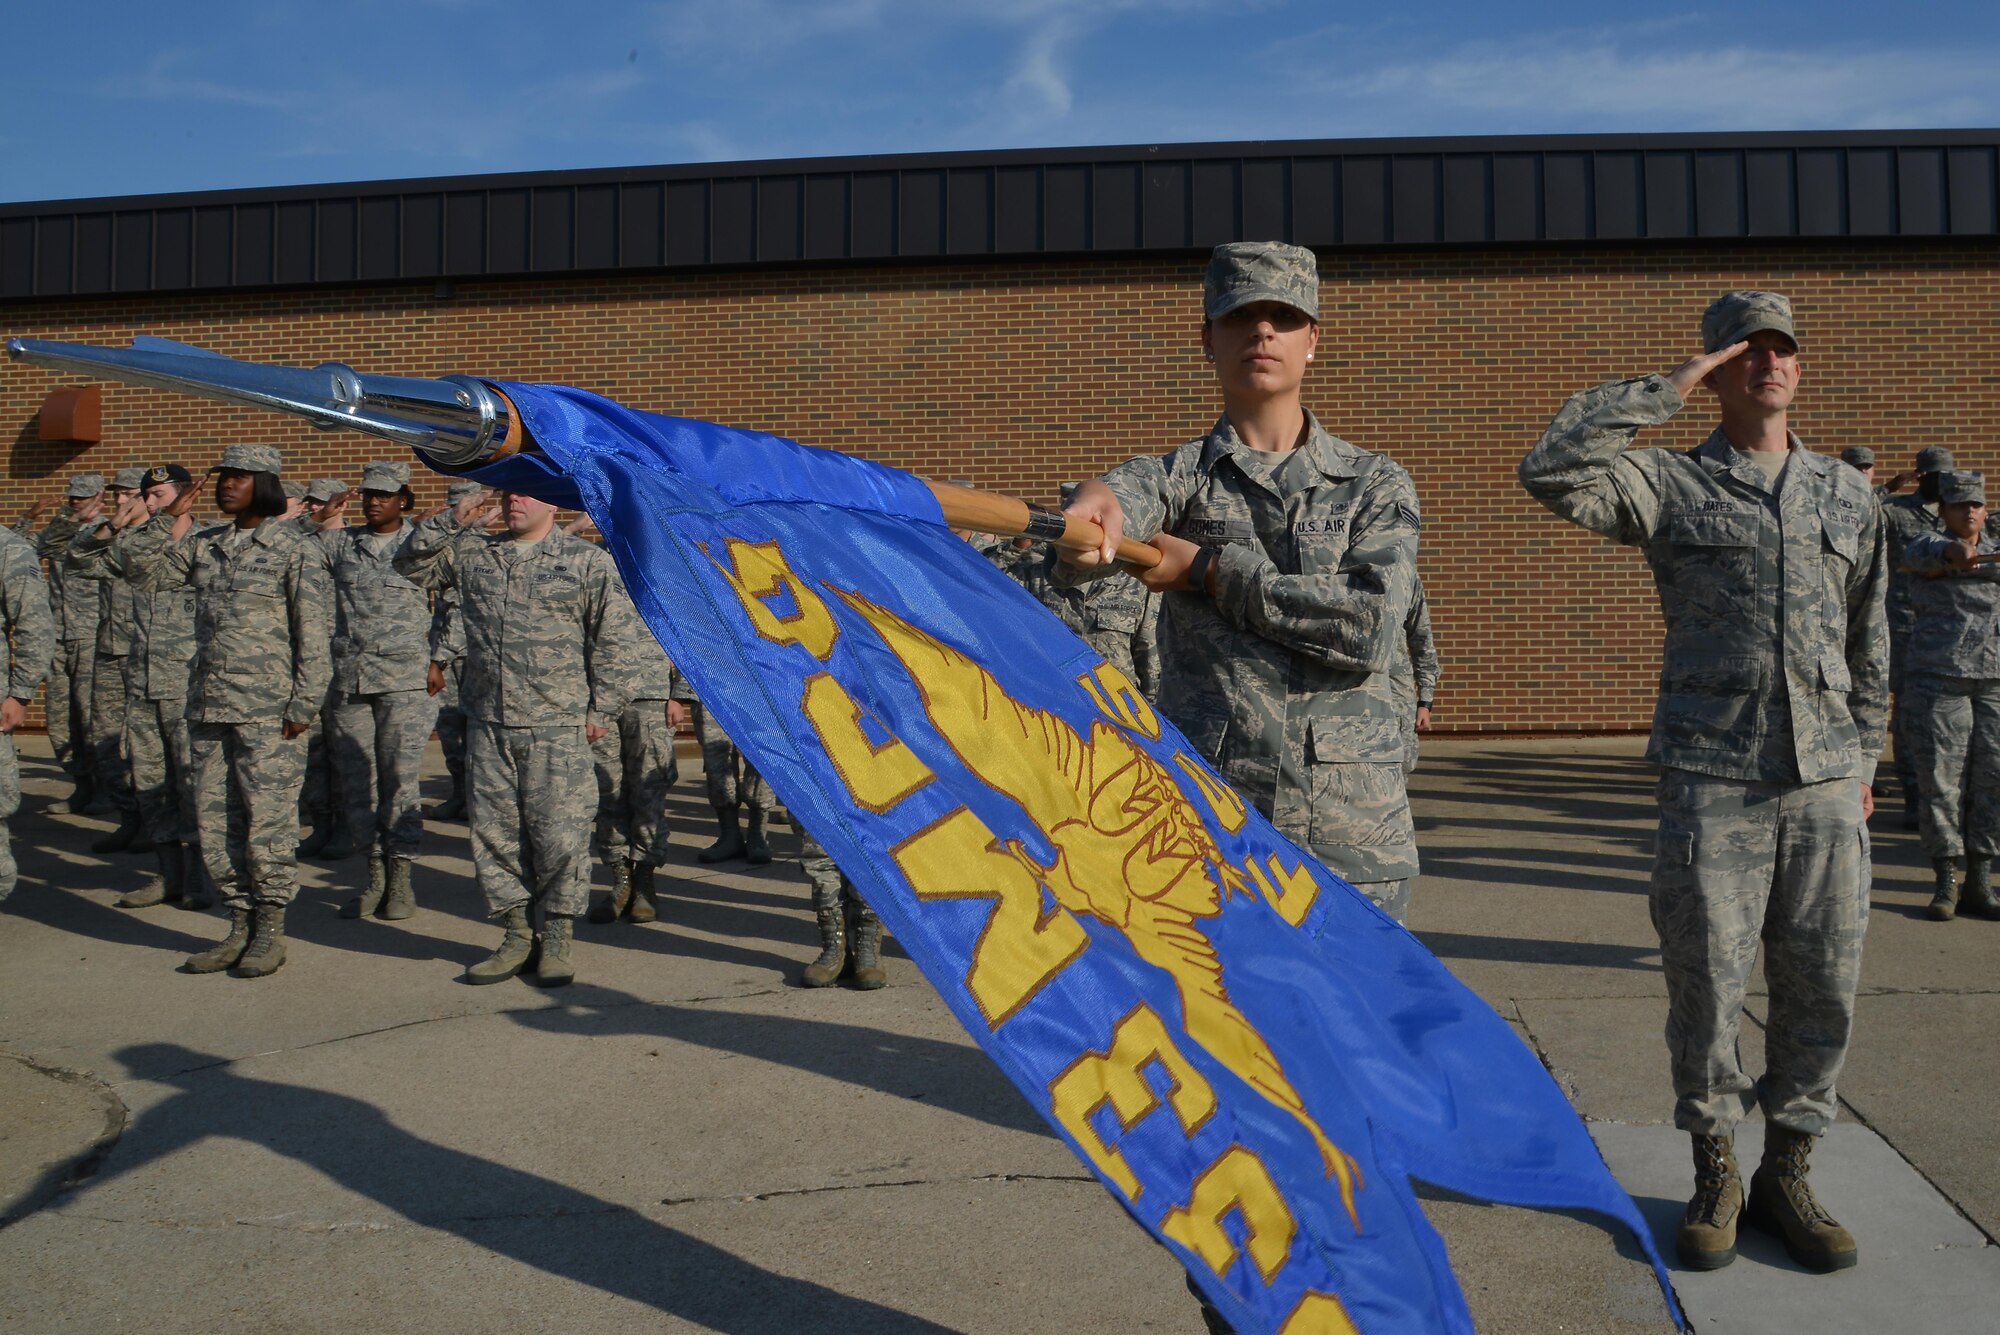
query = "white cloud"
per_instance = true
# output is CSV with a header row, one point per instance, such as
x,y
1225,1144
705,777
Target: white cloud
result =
x,y
1567,81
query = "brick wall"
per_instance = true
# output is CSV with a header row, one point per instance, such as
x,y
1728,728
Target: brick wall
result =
x,y
1020,375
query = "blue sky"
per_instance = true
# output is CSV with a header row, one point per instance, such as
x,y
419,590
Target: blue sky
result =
x,y
131,98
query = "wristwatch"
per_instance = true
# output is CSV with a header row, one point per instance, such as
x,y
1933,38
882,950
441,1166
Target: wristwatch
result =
x,y
1197,571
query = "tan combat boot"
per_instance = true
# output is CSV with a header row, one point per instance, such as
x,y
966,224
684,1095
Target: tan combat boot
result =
x,y
364,904
868,973
555,968
729,842
266,952
1782,1204
167,887
1977,892
226,951
513,953
1944,903
825,970
645,905
401,901
613,908
1707,1236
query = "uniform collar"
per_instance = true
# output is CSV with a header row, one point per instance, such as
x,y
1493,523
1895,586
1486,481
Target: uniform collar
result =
x,y
1328,455
1718,455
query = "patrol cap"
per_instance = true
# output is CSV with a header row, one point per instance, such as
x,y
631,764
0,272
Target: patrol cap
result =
x,y
1734,316
458,491
385,475
129,479
325,489
1858,456
1934,459
295,491
85,485
173,473
1958,488
1067,490
1240,272
252,459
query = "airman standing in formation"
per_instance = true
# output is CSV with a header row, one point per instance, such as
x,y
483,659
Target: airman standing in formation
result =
x,y
1771,570
447,668
328,838
163,648
1904,518
1289,565
734,785
636,770
108,687
27,638
850,934
77,605
1119,618
259,680
544,615
382,706
1951,679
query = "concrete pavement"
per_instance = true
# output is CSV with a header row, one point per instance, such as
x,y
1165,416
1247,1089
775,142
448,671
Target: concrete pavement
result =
x,y
685,1140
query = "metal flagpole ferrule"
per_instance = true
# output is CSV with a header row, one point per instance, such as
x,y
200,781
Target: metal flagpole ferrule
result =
x,y
457,421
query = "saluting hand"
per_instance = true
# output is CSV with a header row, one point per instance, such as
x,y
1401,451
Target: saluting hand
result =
x,y
1692,371
333,514
131,510
87,513
471,509
38,509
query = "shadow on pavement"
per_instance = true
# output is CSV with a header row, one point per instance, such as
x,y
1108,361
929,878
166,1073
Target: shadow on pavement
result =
x,y
522,1216
953,1076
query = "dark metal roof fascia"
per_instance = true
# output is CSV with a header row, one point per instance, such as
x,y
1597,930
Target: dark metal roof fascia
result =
x,y
1452,193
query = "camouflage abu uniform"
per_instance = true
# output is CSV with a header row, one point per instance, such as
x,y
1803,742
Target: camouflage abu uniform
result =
x,y
1904,518
261,611
1769,719
108,686
448,652
27,636
1281,679
163,650
542,622
1416,670
636,764
77,605
382,707
1951,680
1119,618
322,804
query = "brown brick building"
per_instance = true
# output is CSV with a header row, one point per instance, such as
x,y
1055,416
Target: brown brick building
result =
x,y
1022,318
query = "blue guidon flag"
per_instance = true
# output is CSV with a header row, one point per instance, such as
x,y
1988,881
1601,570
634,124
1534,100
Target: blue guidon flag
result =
x,y
1250,1056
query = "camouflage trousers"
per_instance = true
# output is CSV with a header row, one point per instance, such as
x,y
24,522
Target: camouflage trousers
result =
x,y
246,799
156,744
529,798
732,780
1359,825
451,727
66,705
830,889
378,753
10,802
1902,746
1954,732
636,769
107,734
1737,861
319,799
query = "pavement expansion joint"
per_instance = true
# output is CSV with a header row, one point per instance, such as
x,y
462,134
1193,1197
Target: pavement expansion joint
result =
x,y
1068,1178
